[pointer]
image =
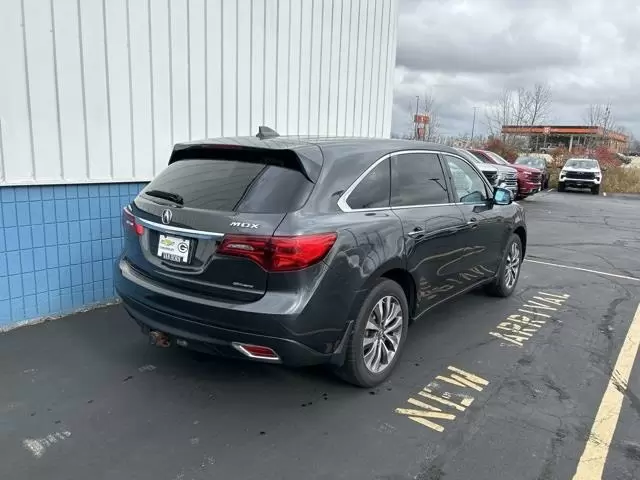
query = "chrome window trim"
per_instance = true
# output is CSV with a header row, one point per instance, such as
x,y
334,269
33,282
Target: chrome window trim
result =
x,y
342,201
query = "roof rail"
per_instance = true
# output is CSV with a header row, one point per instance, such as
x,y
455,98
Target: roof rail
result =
x,y
266,132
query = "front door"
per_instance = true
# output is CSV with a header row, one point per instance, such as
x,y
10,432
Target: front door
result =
x,y
433,226
486,225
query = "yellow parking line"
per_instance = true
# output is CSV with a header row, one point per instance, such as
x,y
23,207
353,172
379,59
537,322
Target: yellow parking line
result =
x,y
592,461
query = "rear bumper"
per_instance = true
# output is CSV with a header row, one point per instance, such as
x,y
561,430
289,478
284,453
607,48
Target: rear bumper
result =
x,y
214,327
218,341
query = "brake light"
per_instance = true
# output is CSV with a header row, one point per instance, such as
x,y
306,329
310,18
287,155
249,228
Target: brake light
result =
x,y
279,254
129,222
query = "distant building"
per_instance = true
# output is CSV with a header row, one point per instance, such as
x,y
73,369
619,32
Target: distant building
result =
x,y
541,137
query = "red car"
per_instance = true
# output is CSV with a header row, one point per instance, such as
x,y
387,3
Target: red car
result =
x,y
529,178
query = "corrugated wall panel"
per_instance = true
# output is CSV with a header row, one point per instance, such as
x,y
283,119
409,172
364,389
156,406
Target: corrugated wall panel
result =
x,y
117,35
15,114
142,117
294,39
387,99
72,129
197,69
99,90
160,74
96,92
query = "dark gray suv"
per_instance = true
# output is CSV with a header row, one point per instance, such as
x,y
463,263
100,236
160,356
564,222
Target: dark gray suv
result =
x,y
308,251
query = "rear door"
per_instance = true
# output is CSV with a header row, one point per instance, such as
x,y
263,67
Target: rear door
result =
x,y
184,213
432,225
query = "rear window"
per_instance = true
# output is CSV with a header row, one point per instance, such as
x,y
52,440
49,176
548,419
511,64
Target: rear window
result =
x,y
373,190
233,185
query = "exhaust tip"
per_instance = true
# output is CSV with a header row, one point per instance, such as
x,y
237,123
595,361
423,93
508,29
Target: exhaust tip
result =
x,y
159,339
257,352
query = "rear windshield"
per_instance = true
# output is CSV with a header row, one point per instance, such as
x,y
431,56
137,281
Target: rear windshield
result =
x,y
233,185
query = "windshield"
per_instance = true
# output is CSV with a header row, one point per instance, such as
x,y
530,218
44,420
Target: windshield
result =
x,y
581,163
535,162
498,158
469,156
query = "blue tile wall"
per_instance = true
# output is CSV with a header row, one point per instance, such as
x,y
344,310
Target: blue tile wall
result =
x,y
58,245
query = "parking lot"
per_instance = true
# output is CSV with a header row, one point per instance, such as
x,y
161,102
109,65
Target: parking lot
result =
x,y
487,388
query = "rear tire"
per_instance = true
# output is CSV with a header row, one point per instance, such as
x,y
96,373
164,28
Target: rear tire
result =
x,y
595,190
561,186
369,340
509,271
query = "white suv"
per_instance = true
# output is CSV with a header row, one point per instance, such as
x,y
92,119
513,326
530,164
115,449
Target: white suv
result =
x,y
580,173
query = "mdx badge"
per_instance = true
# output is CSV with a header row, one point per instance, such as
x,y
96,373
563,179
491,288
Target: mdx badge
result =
x,y
167,215
244,224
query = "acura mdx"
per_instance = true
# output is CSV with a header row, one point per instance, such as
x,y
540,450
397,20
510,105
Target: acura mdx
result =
x,y
312,251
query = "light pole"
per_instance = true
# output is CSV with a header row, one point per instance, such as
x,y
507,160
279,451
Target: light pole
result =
x,y
415,119
473,125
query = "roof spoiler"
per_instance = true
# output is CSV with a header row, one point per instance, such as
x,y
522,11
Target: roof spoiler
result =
x,y
308,160
266,132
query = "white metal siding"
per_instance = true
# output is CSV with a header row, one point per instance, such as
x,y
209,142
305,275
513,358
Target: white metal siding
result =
x,y
99,90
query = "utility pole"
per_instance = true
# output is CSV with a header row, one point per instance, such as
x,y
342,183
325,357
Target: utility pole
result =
x,y
607,113
473,125
415,122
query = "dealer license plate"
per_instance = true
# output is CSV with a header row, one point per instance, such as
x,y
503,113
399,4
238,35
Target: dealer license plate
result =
x,y
174,249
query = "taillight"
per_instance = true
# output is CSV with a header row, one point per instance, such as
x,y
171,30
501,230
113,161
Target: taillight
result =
x,y
129,222
279,254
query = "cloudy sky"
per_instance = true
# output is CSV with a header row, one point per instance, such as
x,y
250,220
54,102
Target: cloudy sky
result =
x,y
465,52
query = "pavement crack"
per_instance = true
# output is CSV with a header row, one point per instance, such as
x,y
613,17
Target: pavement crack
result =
x,y
552,459
562,393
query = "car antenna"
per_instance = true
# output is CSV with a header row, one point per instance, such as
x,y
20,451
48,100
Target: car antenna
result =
x,y
266,132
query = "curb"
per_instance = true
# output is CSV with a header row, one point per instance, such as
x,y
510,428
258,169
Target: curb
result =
x,y
39,320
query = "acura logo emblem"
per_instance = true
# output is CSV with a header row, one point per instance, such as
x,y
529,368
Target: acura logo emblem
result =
x,y
166,217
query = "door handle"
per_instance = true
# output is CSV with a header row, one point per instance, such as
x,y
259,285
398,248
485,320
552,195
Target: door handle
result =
x,y
416,232
473,222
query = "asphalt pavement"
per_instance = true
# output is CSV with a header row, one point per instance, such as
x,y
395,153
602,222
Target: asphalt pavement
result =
x,y
487,388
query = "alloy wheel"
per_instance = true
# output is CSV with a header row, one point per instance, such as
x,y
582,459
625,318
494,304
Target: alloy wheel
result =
x,y
513,266
382,334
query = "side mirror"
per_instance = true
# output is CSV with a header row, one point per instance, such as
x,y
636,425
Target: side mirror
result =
x,y
502,196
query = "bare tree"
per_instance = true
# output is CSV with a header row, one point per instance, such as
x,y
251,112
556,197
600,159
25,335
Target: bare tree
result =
x,y
519,107
500,113
430,108
539,103
599,115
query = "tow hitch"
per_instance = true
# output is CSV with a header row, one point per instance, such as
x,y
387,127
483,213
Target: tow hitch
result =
x,y
159,339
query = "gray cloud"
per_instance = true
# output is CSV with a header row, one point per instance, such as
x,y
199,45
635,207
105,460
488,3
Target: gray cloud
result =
x,y
465,53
